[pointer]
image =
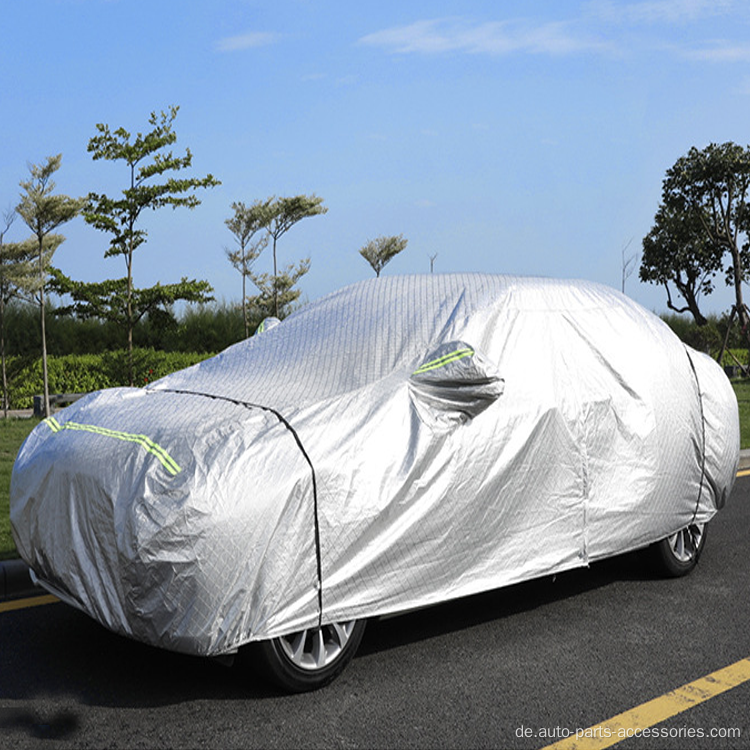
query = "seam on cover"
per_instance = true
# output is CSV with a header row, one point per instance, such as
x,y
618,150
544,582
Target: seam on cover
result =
x,y
287,424
703,433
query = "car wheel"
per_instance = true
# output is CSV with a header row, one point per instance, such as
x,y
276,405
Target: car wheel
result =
x,y
678,554
311,658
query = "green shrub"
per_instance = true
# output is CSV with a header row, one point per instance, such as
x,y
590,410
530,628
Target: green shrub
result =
x,y
740,357
83,373
198,328
148,365
707,338
74,373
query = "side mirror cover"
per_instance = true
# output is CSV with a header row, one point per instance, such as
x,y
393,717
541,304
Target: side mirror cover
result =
x,y
453,384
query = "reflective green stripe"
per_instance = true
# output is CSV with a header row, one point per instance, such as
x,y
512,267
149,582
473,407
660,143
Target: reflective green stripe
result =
x,y
446,359
53,424
145,442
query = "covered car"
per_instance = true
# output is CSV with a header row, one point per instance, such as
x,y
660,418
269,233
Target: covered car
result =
x,y
401,442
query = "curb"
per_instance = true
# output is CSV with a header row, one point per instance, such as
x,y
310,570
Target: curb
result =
x,y
15,580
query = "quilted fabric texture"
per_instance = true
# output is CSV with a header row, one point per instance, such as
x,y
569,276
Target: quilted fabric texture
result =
x,y
400,442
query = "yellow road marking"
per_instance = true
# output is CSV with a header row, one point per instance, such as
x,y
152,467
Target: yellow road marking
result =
x,y
620,727
34,601
744,473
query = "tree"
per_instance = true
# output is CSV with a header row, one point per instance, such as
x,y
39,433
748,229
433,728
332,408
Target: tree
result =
x,y
382,250
278,217
244,225
702,226
15,271
677,251
43,212
107,300
277,292
147,158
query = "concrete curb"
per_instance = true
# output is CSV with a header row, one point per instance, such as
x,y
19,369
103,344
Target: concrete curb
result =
x,y
15,580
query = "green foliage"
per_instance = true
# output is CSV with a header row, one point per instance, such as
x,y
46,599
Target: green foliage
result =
x,y
73,373
108,300
66,334
742,391
119,217
40,209
278,216
677,251
150,365
43,212
199,328
83,373
382,250
706,337
735,357
277,293
16,270
701,227
710,336
244,225
147,158
207,329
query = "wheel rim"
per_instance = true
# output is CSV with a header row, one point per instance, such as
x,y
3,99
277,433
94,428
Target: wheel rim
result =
x,y
686,542
317,648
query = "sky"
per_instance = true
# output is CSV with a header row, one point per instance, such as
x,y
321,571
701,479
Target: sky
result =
x,y
504,136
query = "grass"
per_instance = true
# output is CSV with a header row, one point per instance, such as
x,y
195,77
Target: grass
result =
x,y
742,391
14,431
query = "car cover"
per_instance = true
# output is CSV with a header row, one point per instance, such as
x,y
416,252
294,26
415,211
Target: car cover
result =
x,y
400,442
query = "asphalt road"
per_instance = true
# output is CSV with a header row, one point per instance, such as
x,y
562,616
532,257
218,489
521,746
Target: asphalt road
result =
x,y
515,668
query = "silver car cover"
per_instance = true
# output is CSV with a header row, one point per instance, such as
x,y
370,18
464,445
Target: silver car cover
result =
x,y
400,442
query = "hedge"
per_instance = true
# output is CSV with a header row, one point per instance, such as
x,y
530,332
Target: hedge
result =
x,y
83,373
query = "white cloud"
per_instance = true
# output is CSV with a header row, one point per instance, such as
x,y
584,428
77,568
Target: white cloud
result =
x,y
347,80
246,41
720,51
657,11
443,35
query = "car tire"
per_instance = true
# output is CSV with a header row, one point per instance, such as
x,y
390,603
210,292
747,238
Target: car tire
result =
x,y
679,553
309,659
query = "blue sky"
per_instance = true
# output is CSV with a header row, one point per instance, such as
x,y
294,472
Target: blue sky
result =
x,y
505,136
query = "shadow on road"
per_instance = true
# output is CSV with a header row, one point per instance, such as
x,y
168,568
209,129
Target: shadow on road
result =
x,y
56,651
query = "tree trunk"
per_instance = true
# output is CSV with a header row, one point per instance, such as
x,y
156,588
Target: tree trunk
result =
x,y
131,368
692,303
244,293
742,312
129,308
129,263
45,377
275,285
